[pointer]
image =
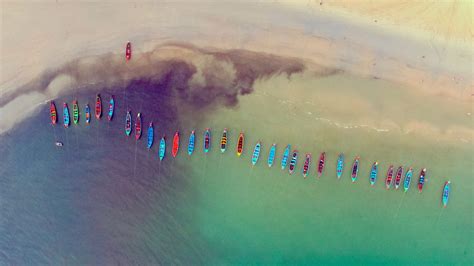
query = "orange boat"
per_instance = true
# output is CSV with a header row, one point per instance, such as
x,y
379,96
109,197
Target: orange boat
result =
x,y
175,149
128,51
240,144
53,113
98,106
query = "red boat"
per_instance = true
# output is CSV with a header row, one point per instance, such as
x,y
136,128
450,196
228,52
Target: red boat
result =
x,y
422,179
306,165
240,144
138,127
175,149
128,51
53,113
398,177
98,106
388,179
322,158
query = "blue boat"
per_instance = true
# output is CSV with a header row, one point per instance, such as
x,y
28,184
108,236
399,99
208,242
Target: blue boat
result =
x,y
162,150
446,189
271,155
256,153
284,159
88,114
150,135
111,108
191,143
407,181
340,165
207,140
373,173
66,117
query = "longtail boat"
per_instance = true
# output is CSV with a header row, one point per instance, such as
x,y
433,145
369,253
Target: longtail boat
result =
x,y
128,123
355,169
88,113
271,155
307,164
256,153
407,180
445,196
162,150
53,113
128,51
322,159
422,180
110,115
389,178
284,158
66,118
340,165
75,112
98,106
398,177
224,140
293,162
175,149
150,135
191,142
373,173
207,140
138,126
240,144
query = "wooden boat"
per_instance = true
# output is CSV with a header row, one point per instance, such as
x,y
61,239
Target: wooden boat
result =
x,y
398,177
445,196
66,117
240,144
224,140
284,158
373,173
355,169
191,142
75,112
389,178
162,150
422,180
53,113
271,155
150,135
294,159
98,106
256,153
138,126
407,180
110,115
306,165
128,51
322,159
175,149
128,123
207,140
88,114
340,165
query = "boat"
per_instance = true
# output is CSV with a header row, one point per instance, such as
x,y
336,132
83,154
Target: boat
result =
x,y
128,123
307,164
75,112
207,140
373,173
111,108
59,144
128,51
256,153
407,180
240,144
271,155
53,113
340,165
175,149
88,114
98,106
150,135
191,142
138,126
389,178
284,159
445,196
66,118
224,140
294,159
162,150
422,179
322,159
355,169
398,177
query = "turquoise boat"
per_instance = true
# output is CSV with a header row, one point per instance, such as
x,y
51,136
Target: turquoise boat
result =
x,y
111,108
284,159
150,135
407,181
340,165
191,143
256,153
271,155
207,140
66,116
446,189
162,149
373,173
